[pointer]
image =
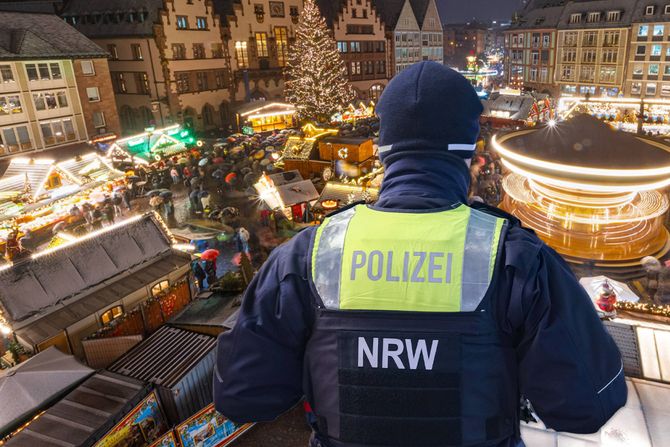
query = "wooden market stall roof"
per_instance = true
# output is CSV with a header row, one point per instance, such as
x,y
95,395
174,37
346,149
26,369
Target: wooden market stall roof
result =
x,y
26,388
84,415
89,168
64,282
34,172
343,194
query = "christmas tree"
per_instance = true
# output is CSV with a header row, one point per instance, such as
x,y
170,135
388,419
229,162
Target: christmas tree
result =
x,y
316,75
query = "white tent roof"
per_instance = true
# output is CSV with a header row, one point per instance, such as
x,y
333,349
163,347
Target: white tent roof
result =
x,y
643,422
27,387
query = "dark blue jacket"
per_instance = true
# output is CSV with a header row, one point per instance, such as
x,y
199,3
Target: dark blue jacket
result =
x,y
570,369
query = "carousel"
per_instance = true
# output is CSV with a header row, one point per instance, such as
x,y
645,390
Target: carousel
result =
x,y
589,191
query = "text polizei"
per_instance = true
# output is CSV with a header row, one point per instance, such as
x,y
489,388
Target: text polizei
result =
x,y
418,266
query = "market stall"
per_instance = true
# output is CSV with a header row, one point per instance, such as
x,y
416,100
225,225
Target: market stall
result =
x,y
179,363
86,415
289,193
336,195
152,145
352,113
622,113
21,400
264,116
37,194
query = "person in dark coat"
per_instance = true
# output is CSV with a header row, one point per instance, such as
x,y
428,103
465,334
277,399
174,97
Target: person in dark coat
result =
x,y
198,273
376,377
210,271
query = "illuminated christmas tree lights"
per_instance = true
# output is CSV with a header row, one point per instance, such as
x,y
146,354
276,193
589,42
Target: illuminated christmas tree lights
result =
x,y
317,77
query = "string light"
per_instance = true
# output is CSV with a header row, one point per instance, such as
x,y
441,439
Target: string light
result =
x,y
647,308
316,74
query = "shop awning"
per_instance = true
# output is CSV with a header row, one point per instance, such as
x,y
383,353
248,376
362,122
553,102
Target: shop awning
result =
x,y
29,386
84,415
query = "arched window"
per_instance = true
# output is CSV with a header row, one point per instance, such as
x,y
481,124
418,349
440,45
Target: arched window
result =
x,y
208,115
111,314
160,287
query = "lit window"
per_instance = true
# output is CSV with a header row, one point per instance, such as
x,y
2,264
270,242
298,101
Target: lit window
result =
x,y
182,22
111,314
643,31
666,70
638,70
201,22
87,68
241,54
15,139
262,44
593,17
575,18
656,50
281,42
653,69
157,288
10,105
659,30
93,94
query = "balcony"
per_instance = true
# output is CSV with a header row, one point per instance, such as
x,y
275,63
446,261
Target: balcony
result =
x,y
259,73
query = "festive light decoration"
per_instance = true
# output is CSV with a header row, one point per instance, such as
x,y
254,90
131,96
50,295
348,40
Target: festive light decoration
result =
x,y
614,216
317,77
647,308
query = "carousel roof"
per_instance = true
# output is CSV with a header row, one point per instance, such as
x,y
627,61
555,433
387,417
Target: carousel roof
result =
x,y
587,141
585,152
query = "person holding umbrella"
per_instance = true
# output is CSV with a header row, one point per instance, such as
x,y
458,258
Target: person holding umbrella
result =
x,y
210,256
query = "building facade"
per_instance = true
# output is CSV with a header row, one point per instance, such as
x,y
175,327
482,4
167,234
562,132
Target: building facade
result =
x,y
432,33
258,36
51,96
167,60
361,41
463,40
648,65
593,41
406,39
530,50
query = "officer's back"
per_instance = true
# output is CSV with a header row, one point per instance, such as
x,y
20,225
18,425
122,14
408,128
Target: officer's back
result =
x,y
419,320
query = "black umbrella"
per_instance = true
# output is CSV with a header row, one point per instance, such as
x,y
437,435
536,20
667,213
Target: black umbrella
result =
x,y
156,192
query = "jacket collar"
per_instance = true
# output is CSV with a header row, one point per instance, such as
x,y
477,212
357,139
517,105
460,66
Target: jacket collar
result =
x,y
423,180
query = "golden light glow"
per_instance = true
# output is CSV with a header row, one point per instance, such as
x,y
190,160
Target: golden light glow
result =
x,y
562,168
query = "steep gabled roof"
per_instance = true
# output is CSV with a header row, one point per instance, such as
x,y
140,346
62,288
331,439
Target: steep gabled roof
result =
x,y
330,9
43,36
389,11
420,7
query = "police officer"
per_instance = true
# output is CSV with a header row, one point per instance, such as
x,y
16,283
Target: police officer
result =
x,y
420,320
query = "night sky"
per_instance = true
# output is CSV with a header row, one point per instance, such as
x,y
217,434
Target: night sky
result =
x,y
460,11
